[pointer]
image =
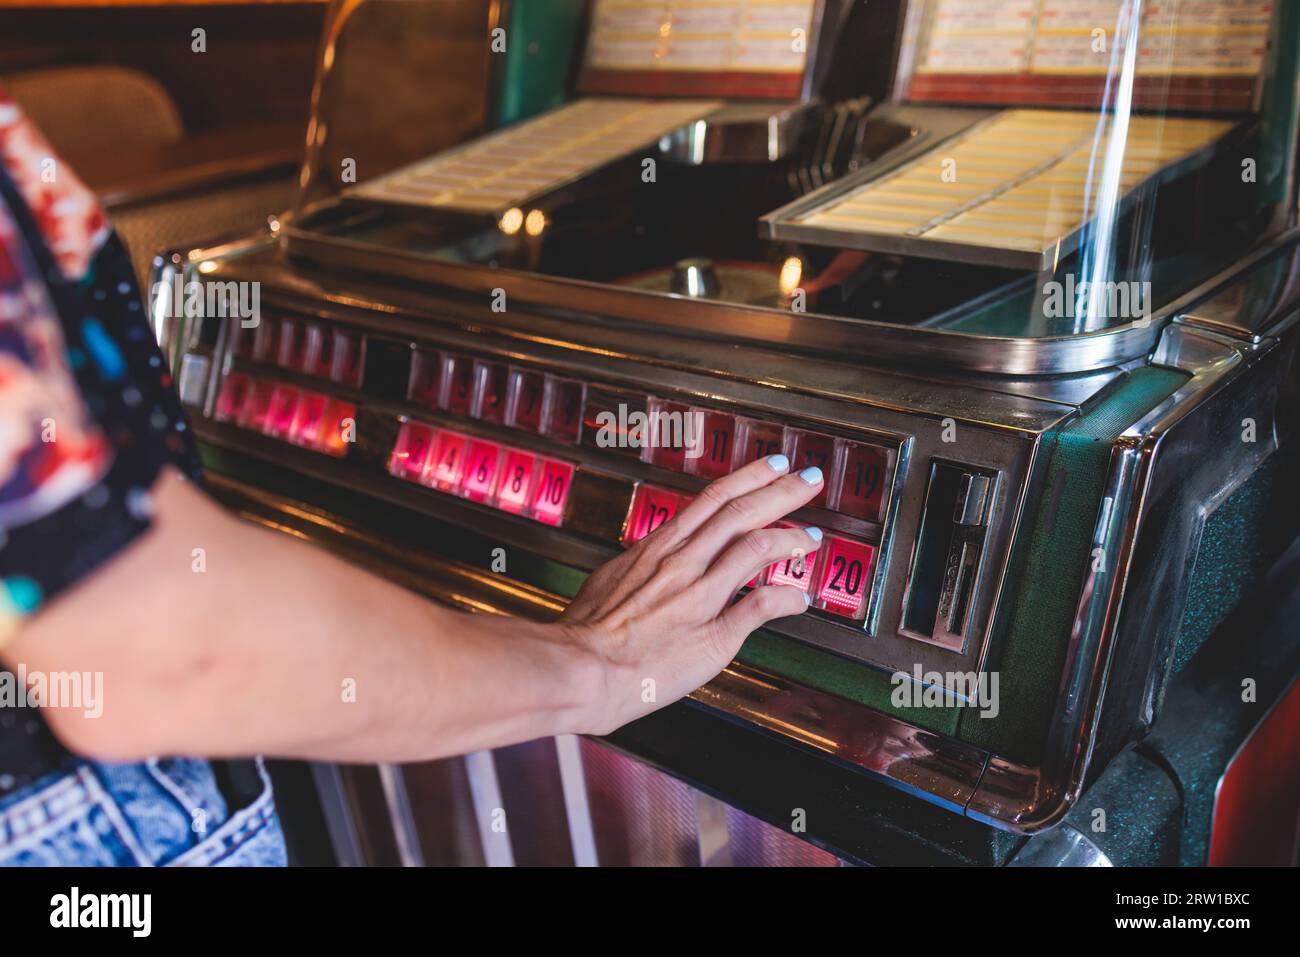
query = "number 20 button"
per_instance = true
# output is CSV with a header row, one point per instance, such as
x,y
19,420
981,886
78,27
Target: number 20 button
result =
x,y
846,568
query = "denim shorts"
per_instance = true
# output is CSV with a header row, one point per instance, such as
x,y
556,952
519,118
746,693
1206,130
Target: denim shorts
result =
x,y
164,811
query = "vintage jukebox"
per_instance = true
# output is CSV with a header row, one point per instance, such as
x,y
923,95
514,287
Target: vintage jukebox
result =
x,y
1021,275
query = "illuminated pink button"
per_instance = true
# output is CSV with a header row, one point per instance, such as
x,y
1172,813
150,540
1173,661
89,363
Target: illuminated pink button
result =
x,y
426,377
308,419
812,449
448,462
491,385
516,481
339,428
234,390
847,579
480,470
524,405
411,453
256,404
280,412
651,507
864,470
563,417
713,437
457,384
552,491
670,425
796,570
757,440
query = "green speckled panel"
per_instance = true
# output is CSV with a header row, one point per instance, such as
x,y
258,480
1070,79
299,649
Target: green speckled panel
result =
x,y
1242,537
1031,633
838,676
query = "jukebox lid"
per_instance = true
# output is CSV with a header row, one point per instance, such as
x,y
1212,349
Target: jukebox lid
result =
x,y
1058,174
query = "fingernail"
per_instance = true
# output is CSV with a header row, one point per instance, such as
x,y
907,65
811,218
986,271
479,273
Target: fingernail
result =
x,y
814,533
812,475
807,599
778,462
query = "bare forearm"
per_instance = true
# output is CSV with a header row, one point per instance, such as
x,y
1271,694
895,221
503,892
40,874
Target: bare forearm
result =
x,y
278,648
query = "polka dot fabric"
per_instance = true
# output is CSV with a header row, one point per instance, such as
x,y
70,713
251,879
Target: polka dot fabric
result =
x,y
88,415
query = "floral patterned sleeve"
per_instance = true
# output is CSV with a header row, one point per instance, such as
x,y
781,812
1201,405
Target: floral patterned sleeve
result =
x,y
87,413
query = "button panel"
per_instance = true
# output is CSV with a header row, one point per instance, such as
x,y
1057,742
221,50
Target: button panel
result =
x,y
302,417
509,479
697,441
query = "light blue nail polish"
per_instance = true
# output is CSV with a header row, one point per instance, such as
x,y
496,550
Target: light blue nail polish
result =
x,y
814,533
778,462
812,475
807,599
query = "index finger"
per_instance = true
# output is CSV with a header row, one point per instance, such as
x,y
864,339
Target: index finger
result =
x,y
752,477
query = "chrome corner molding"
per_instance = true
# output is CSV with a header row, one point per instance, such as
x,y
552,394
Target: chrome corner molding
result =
x,y
1064,847
1167,474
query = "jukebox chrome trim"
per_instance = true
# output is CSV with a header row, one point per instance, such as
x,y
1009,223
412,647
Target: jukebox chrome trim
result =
x,y
772,327
1099,708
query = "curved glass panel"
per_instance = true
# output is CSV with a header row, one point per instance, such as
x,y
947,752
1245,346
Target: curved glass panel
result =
x,y
1027,168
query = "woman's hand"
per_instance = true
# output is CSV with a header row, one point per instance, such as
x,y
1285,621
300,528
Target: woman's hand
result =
x,y
660,619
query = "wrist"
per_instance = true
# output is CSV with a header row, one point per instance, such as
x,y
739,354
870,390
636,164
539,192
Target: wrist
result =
x,y
586,679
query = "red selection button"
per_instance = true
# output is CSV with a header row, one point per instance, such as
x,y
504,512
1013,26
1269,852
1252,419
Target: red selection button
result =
x,y
481,463
712,437
426,377
847,579
338,430
516,481
448,462
492,384
797,570
757,440
411,453
231,398
458,384
563,416
266,341
256,405
670,424
812,449
347,358
524,405
280,411
651,507
863,474
308,419
552,491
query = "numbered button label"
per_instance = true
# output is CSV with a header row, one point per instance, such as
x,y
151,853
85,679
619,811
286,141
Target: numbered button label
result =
x,y
651,508
552,491
448,462
480,470
846,581
516,482
797,570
